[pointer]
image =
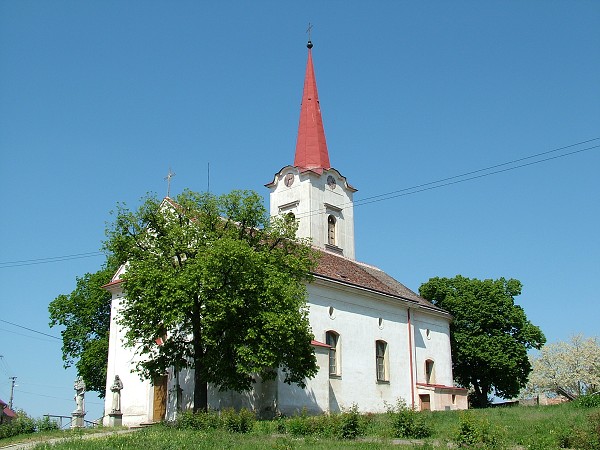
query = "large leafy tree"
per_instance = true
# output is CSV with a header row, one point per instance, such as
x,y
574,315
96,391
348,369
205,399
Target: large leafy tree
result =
x,y
489,336
85,316
573,366
221,284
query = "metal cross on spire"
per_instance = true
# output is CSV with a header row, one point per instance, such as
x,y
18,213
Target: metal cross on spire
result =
x,y
309,30
170,175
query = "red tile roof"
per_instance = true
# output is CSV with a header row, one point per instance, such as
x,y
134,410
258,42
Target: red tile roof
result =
x,y
354,273
5,410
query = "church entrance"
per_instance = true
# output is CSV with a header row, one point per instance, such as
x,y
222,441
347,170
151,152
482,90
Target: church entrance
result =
x,y
160,399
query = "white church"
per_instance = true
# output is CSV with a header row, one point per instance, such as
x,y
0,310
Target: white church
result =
x,y
375,340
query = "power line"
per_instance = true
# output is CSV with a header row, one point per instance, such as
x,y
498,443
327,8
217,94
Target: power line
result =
x,y
57,398
443,182
496,166
6,367
396,194
29,329
26,335
51,259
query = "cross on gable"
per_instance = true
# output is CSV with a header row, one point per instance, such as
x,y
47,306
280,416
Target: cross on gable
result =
x,y
170,175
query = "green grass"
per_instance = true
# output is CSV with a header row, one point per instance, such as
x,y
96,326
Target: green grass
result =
x,y
46,435
166,438
544,427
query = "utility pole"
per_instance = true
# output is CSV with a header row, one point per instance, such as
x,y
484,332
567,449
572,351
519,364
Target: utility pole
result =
x,y
12,389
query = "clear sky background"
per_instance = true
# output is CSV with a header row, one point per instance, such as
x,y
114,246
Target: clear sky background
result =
x,y
99,99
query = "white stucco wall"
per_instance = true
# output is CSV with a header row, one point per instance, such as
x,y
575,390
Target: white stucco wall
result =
x,y
432,342
137,395
360,317
314,398
312,200
356,319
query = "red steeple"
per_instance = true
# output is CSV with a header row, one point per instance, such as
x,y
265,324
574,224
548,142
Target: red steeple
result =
x,y
311,148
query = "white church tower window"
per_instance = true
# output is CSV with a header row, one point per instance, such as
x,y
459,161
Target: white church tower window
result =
x,y
331,230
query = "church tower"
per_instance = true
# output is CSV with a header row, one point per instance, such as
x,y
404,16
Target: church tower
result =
x,y
317,195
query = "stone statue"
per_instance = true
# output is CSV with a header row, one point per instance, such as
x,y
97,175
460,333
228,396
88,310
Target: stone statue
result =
x,y
79,387
116,394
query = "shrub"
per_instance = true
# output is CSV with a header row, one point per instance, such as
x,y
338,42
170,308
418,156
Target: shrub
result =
x,y
587,401
347,425
235,421
406,422
241,421
188,420
585,437
475,432
22,424
46,424
350,423
305,425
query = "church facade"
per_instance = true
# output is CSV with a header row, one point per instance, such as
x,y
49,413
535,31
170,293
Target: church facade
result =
x,y
375,340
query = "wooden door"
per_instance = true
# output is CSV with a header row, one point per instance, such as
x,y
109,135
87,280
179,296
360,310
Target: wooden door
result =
x,y
160,399
425,402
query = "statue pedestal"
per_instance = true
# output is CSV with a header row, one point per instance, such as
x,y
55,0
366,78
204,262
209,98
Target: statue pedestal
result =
x,y
77,419
115,419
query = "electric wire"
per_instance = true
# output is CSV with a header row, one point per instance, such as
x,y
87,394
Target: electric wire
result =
x,y
51,259
443,182
56,398
461,178
30,329
26,335
496,166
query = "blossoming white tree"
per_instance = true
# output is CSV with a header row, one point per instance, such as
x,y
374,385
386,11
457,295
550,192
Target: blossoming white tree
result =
x,y
573,366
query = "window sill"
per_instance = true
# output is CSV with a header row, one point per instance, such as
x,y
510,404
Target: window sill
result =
x,y
334,249
383,381
335,377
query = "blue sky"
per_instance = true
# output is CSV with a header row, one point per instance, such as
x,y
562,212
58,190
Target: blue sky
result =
x,y
99,99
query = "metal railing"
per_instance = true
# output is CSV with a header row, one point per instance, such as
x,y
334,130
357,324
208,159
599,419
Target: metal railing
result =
x,y
69,419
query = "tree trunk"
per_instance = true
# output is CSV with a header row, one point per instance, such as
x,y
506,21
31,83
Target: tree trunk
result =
x,y
200,383
480,399
200,392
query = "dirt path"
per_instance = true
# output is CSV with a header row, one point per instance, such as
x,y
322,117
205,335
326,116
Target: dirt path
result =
x,y
30,444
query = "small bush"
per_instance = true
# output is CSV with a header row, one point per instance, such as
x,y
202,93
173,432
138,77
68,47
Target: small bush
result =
x,y
241,421
22,424
235,421
406,422
587,401
475,432
350,423
585,437
188,420
46,424
305,425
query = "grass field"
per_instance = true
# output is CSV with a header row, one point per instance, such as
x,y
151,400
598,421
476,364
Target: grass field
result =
x,y
544,427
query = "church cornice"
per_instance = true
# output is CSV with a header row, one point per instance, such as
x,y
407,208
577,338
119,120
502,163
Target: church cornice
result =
x,y
298,170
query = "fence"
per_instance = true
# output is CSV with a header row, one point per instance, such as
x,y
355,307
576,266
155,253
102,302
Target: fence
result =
x,y
69,420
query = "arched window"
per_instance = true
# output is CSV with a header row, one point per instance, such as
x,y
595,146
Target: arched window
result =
x,y
429,374
290,217
332,339
331,230
381,360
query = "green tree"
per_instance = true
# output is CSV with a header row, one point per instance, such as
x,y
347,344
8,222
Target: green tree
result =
x,y
221,283
85,314
489,335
